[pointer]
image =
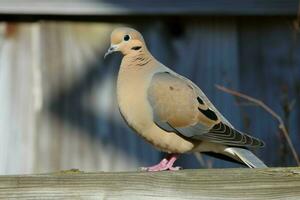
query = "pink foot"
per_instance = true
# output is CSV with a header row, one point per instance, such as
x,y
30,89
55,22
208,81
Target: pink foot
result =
x,y
165,164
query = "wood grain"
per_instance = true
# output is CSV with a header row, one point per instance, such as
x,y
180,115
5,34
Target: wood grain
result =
x,y
271,183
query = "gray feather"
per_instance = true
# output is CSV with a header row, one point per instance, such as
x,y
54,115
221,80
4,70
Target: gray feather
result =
x,y
222,133
246,157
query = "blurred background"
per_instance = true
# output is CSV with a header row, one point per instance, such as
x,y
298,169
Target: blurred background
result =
x,y
57,95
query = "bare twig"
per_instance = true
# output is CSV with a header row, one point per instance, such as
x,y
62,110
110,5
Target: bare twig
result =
x,y
205,163
296,22
292,104
200,159
281,125
246,104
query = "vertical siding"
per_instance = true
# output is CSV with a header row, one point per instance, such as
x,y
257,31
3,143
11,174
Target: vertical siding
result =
x,y
18,113
270,71
57,94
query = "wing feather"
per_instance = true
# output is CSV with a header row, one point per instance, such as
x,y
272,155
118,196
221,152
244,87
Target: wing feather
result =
x,y
180,106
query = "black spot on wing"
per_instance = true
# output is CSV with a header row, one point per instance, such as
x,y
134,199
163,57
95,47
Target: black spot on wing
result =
x,y
209,114
136,48
200,100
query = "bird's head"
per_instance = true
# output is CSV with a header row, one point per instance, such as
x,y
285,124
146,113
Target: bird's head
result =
x,y
127,41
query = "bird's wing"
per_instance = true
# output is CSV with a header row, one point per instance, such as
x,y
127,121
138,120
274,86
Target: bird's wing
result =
x,y
179,105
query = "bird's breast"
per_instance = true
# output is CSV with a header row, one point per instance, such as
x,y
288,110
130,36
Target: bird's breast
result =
x,y
132,89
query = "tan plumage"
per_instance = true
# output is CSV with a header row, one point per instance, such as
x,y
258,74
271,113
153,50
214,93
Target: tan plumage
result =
x,y
170,111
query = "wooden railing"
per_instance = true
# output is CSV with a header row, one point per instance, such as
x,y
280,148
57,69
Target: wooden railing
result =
x,y
270,183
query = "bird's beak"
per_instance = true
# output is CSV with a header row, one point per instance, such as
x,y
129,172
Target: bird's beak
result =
x,y
111,49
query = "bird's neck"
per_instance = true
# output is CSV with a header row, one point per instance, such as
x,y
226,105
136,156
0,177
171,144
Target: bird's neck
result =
x,y
135,67
137,60
138,66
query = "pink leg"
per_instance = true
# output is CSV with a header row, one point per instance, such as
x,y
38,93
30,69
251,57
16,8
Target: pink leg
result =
x,y
171,162
165,164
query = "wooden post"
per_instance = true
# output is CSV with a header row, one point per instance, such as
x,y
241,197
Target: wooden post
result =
x,y
271,183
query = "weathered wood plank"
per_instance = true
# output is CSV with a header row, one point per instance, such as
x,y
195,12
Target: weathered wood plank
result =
x,y
154,7
272,183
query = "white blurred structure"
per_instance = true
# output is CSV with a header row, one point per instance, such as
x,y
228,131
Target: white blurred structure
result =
x,y
39,61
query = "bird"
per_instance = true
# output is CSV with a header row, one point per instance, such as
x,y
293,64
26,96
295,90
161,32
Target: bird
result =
x,y
170,111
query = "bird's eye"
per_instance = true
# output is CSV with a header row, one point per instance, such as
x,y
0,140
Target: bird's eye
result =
x,y
126,37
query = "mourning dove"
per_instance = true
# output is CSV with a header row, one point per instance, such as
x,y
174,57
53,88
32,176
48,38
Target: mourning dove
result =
x,y
170,111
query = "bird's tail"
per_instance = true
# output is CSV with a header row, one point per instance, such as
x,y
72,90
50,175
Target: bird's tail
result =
x,y
246,157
